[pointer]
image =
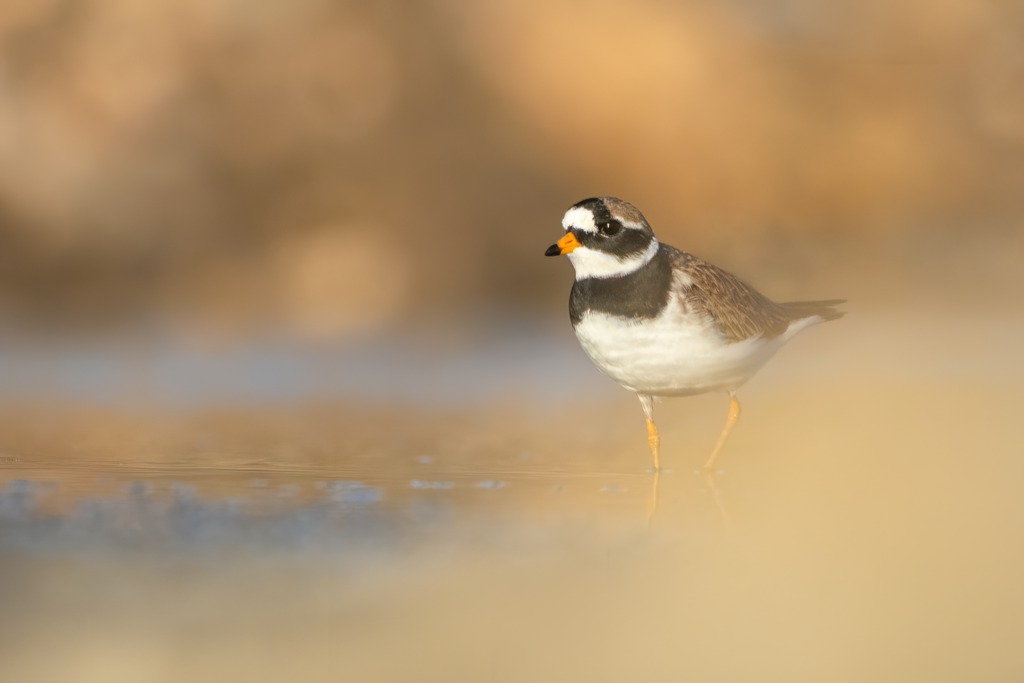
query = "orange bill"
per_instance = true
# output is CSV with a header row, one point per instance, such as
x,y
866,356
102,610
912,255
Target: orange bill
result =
x,y
563,246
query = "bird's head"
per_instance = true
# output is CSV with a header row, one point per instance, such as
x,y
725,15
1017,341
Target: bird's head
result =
x,y
605,237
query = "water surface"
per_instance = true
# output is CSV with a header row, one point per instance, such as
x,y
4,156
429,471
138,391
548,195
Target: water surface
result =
x,y
865,525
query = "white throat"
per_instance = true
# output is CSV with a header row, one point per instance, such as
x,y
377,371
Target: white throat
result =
x,y
591,263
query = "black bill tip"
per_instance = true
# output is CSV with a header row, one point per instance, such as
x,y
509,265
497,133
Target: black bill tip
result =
x,y
553,250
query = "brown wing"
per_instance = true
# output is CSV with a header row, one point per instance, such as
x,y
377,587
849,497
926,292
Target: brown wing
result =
x,y
736,308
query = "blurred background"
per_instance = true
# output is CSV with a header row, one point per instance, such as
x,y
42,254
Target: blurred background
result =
x,y
324,170
288,390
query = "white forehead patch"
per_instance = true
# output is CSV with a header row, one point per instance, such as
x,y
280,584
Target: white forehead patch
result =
x,y
578,218
582,219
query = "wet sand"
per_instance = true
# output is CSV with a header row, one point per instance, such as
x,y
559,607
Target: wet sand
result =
x,y
865,524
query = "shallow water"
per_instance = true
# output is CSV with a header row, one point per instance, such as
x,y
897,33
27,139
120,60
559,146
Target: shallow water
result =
x,y
865,525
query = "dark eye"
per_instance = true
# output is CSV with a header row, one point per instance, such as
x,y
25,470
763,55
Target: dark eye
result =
x,y
609,228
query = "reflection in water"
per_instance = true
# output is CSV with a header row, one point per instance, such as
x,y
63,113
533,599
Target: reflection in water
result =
x,y
652,501
709,479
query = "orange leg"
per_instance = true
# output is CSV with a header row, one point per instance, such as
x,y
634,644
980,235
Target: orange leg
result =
x,y
734,415
653,440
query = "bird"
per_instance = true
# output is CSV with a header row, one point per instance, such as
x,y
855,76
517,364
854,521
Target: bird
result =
x,y
663,322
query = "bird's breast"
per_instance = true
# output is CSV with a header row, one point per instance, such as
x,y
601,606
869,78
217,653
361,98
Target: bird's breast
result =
x,y
674,354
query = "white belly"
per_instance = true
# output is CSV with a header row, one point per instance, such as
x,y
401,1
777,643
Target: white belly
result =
x,y
674,355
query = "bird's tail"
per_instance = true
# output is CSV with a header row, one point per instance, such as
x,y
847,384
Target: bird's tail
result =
x,y
805,309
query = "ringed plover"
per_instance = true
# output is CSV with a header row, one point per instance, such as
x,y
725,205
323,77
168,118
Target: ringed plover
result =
x,y
662,322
